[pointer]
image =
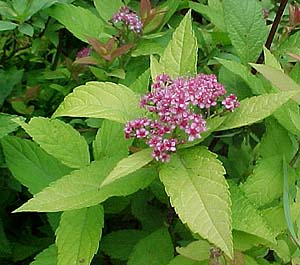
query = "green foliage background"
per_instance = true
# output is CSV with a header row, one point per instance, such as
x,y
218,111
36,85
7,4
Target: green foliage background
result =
x,y
74,191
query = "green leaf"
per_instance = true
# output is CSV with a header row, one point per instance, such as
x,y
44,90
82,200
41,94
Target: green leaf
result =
x,y
146,46
255,109
243,241
155,67
81,188
150,217
80,21
286,202
20,6
7,25
46,257
277,141
110,141
119,244
290,44
246,27
8,80
128,165
251,261
276,219
30,164
7,124
271,60
53,220
180,56
101,100
289,117
115,205
157,248
106,8
141,84
295,72
246,218
180,260
60,140
265,184
282,250
78,235
158,189
22,251
214,12
279,79
197,250
7,11
5,250
37,5
199,193
169,7
244,72
26,29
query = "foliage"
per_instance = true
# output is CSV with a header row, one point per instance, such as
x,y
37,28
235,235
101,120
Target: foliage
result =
x,y
108,153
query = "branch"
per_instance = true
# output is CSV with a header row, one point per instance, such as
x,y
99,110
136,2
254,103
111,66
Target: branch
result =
x,y
273,30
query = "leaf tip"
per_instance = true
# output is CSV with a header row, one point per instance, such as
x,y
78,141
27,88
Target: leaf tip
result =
x,y
18,210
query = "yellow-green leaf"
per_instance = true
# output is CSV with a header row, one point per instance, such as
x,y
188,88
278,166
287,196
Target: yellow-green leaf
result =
x,y
78,235
82,22
199,193
101,100
246,218
180,56
246,27
60,140
47,257
279,79
255,109
271,60
155,67
30,164
81,188
198,250
128,165
110,141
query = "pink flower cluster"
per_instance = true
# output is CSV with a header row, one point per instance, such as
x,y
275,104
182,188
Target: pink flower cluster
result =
x,y
176,105
129,18
231,102
84,52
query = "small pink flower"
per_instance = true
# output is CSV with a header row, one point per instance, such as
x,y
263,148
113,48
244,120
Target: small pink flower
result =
x,y
129,18
231,102
84,52
176,104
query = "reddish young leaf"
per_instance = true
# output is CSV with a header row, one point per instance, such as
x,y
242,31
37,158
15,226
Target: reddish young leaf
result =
x,y
294,56
87,60
97,45
110,44
294,15
145,8
121,50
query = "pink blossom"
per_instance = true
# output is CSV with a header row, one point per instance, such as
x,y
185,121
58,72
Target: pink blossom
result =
x,y
231,102
84,52
129,18
177,105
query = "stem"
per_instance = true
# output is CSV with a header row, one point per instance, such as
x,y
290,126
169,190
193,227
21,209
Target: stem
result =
x,y
273,30
58,50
